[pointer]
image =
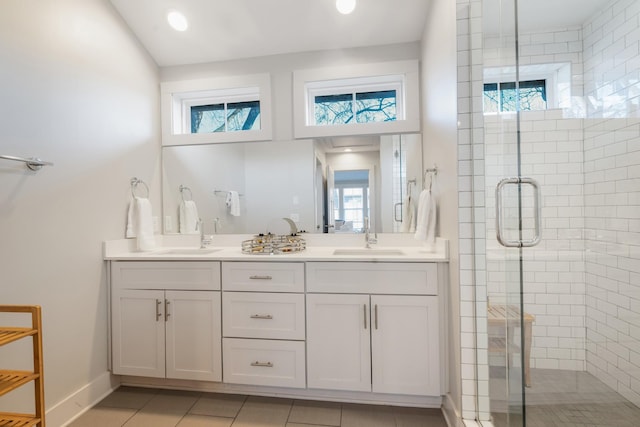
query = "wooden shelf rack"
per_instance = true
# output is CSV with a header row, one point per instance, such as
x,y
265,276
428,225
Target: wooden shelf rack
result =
x,y
11,379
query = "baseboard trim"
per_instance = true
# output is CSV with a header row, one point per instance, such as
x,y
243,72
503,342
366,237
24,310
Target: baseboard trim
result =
x,y
77,403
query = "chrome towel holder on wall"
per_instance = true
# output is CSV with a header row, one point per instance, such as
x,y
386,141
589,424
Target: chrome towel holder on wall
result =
x,y
33,163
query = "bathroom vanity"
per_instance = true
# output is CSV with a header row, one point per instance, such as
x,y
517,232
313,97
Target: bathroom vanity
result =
x,y
331,323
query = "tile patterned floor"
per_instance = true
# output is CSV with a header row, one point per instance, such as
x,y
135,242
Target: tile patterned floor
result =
x,y
138,407
565,399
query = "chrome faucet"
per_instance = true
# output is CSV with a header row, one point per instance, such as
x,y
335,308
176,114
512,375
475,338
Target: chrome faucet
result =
x,y
368,240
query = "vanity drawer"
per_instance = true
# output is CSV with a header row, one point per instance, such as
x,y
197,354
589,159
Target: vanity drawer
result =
x,y
262,315
263,276
178,275
264,362
373,278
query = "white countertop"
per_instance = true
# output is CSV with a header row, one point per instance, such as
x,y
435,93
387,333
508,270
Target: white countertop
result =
x,y
319,248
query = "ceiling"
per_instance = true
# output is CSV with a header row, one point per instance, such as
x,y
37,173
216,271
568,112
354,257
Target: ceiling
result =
x,y
232,29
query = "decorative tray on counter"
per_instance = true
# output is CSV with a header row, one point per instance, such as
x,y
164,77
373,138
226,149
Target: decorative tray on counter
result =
x,y
272,244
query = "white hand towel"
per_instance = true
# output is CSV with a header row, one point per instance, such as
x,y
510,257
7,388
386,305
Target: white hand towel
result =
x,y
426,218
140,223
408,216
233,202
189,217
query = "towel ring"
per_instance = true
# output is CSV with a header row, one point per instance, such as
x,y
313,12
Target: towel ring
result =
x,y
134,185
182,191
432,172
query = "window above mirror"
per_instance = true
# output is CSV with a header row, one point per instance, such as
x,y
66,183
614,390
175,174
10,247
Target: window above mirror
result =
x,y
361,99
216,110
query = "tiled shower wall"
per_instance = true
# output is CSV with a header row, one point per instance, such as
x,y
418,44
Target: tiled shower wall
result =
x,y
612,196
554,290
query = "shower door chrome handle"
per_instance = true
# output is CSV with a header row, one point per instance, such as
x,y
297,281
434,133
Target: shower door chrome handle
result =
x,y
536,209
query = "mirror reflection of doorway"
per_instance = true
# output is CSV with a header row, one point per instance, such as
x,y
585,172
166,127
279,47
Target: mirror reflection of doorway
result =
x,y
351,200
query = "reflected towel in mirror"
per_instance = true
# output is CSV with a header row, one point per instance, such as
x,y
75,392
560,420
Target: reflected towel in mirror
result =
x,y
188,217
408,216
233,203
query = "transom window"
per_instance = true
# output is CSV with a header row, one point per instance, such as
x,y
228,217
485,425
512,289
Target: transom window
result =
x,y
350,101
503,96
364,107
225,117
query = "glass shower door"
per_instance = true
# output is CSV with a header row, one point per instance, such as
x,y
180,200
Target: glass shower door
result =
x,y
513,216
561,106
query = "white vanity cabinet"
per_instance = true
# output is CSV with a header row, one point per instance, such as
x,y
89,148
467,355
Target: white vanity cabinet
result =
x,y
380,333
165,319
263,323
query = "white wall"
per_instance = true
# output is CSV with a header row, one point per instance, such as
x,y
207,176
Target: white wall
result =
x,y
77,90
439,135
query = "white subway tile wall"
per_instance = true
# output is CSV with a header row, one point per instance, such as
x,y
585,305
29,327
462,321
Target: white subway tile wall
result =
x,y
475,401
612,196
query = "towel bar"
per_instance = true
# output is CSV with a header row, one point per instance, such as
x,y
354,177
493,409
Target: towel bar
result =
x,y
33,163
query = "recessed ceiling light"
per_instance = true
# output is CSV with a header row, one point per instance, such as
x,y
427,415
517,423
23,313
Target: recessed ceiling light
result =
x,y
348,150
345,6
177,20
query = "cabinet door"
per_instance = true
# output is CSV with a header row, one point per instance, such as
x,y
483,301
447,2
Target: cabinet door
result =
x,y
405,347
193,331
138,333
338,342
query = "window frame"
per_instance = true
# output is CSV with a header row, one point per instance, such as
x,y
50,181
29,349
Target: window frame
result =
x,y
550,72
178,96
404,74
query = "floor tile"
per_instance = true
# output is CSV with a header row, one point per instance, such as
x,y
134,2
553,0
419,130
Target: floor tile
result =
x,y
165,409
128,397
103,417
203,421
304,425
153,419
263,412
312,412
169,401
218,405
367,416
419,417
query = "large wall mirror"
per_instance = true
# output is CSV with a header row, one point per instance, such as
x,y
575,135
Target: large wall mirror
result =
x,y
324,185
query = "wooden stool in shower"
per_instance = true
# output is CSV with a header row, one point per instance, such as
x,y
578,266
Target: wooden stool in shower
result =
x,y
499,315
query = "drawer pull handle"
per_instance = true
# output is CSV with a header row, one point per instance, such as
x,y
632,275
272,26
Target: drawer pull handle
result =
x,y
262,364
260,277
158,314
166,310
262,316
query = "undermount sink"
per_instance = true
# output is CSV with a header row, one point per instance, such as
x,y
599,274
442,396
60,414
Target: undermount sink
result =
x,y
187,251
368,252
